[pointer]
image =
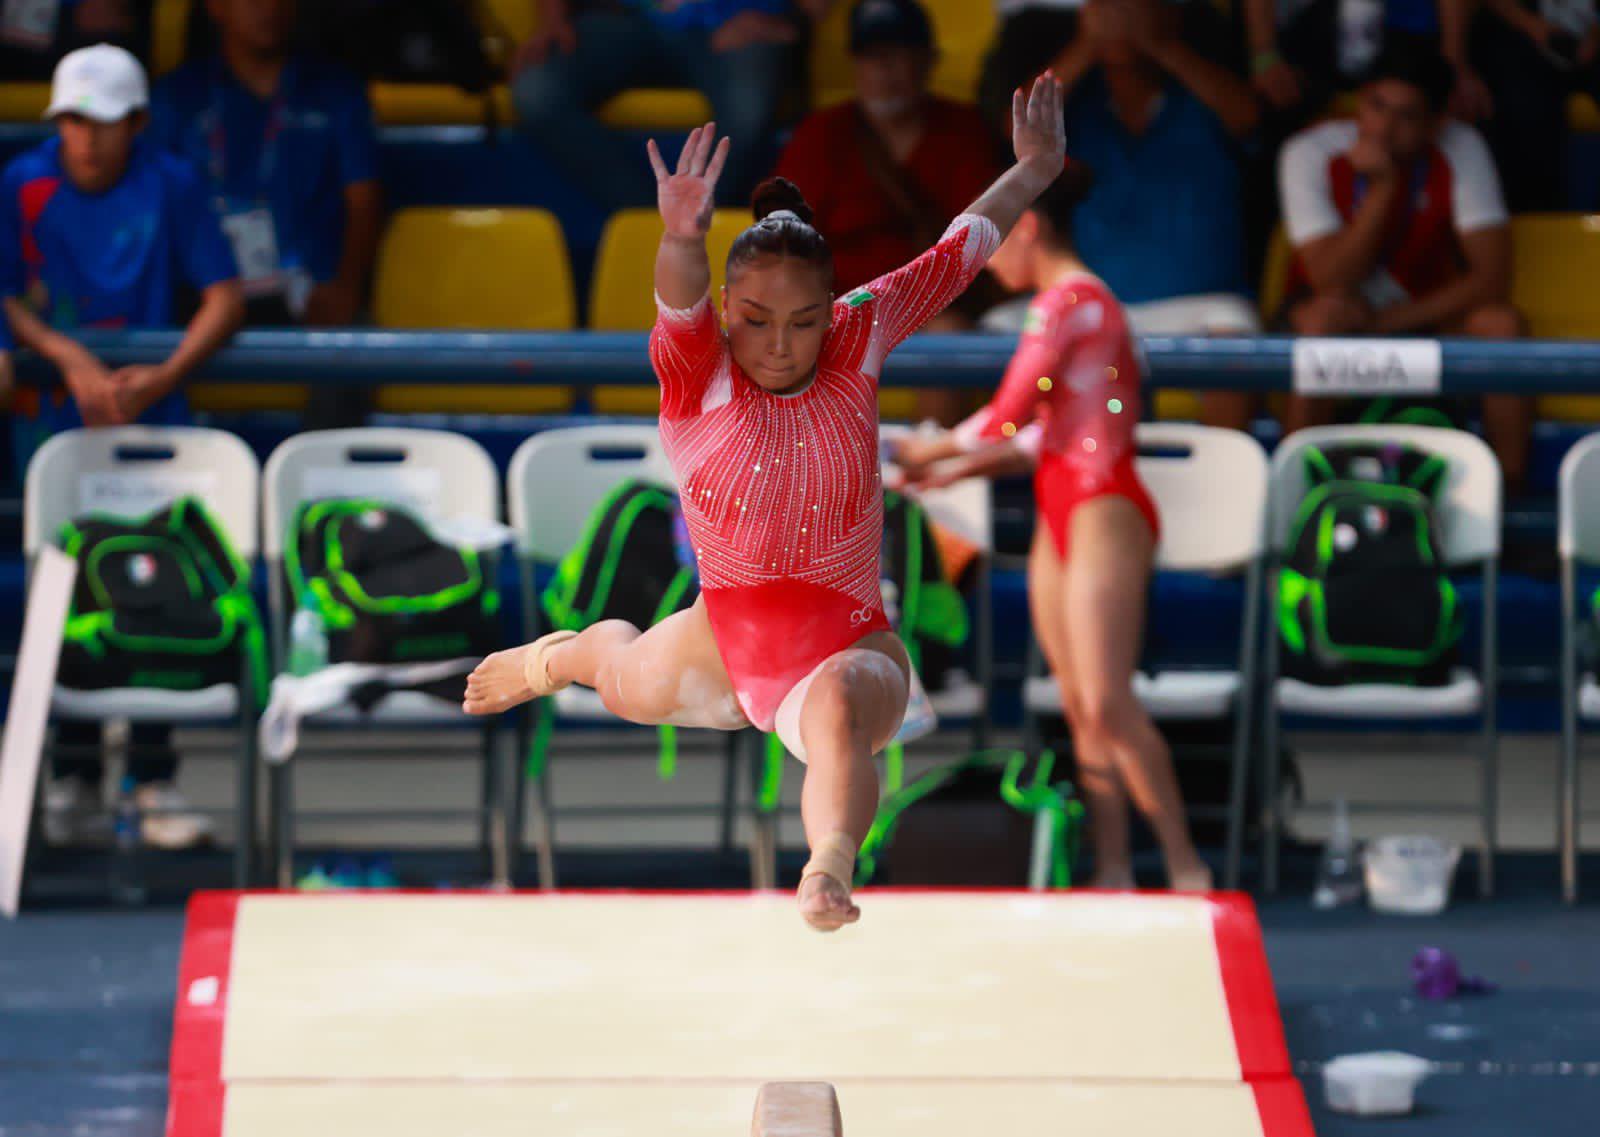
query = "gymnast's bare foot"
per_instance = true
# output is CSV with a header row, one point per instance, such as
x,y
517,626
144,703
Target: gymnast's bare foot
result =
x,y
514,676
825,903
1194,877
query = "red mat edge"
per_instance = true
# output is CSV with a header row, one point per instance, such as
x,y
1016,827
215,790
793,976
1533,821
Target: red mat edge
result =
x,y
1247,988
197,1099
1281,1105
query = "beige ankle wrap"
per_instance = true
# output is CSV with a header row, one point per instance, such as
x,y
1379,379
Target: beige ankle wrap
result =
x,y
834,856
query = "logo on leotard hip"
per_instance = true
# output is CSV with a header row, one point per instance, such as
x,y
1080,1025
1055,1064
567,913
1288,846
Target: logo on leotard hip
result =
x,y
862,616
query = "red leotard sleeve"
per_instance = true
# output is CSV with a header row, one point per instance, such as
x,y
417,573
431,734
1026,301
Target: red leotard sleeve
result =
x,y
908,297
687,350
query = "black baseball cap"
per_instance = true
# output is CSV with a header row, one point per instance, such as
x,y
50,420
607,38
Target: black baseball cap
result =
x,y
889,23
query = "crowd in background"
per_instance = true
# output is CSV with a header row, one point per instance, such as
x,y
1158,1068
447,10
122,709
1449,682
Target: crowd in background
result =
x,y
243,188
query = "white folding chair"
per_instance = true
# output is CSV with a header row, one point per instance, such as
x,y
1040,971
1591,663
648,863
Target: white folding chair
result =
x,y
131,471
1210,490
555,482
1578,520
437,474
966,509
1469,522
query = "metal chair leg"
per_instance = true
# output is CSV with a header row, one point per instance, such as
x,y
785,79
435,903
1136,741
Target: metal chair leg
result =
x,y
763,825
282,806
730,791
544,831
249,773
1568,812
1244,723
1490,742
497,816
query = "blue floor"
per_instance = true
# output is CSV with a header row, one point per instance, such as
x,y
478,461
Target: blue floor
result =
x,y
86,999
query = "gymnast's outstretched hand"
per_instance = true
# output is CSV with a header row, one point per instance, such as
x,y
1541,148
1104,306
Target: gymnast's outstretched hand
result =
x,y
686,198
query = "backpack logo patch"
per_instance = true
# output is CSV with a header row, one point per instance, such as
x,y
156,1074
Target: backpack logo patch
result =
x,y
141,570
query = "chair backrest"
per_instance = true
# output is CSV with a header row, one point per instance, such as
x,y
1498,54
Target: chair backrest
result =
x,y
134,470
1557,257
965,508
1210,490
558,477
475,268
1275,274
1578,502
1469,507
621,298
438,474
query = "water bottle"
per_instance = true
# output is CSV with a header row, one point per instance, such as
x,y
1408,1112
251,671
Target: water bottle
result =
x,y
308,642
1360,35
127,878
1339,870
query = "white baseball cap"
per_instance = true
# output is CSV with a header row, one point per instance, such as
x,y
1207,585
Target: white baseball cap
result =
x,y
103,83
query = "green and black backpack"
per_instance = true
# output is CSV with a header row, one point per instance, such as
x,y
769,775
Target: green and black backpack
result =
x,y
1363,596
627,566
999,814
386,589
161,601
932,615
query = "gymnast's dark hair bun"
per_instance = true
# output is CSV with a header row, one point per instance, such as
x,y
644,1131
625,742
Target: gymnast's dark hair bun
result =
x,y
1058,203
776,194
783,229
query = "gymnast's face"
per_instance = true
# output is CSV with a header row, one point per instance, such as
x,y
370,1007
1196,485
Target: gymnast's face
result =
x,y
778,311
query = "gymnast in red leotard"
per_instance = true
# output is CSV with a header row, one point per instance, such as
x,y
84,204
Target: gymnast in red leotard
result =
x,y
1067,408
772,429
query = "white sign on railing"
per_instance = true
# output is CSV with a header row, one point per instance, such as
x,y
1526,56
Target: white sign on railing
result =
x,y
1359,366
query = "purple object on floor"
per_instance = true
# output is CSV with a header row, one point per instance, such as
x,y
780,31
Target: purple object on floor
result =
x,y
1437,975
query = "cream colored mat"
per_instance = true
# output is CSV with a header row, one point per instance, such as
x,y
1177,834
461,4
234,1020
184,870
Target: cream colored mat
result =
x,y
633,988
877,1110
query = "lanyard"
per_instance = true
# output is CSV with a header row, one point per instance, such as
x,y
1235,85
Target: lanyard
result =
x,y
217,136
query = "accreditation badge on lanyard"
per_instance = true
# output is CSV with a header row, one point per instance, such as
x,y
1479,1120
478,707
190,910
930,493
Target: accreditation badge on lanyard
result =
x,y
29,23
247,220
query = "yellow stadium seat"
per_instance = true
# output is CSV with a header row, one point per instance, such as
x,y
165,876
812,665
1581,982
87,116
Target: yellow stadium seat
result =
x,y
427,104
962,29
516,18
169,34
1582,114
645,108
502,269
621,298
1557,259
1275,277
23,102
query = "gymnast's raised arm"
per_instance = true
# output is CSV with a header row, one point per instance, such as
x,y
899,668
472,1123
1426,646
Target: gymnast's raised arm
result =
x,y
686,200
1039,140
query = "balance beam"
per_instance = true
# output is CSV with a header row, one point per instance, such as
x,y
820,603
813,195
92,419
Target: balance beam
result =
x,y
797,1109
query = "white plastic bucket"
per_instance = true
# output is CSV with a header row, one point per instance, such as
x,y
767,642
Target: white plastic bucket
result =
x,y
1410,875
1374,1084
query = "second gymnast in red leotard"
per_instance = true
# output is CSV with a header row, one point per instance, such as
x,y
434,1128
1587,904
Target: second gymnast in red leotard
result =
x,y
772,429
1067,407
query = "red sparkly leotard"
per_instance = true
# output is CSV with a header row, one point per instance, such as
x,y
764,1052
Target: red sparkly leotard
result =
x,y
782,493
1071,394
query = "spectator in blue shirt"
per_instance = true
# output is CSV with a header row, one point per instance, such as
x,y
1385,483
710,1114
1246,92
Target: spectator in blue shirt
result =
x,y
741,54
289,154
98,229
1160,126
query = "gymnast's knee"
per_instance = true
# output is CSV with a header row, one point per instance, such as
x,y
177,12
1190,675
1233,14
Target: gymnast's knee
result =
x,y
1106,714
